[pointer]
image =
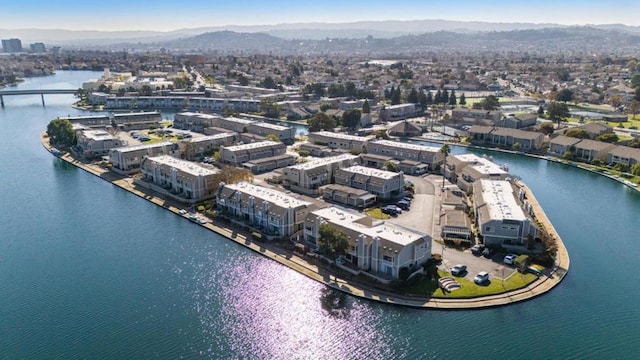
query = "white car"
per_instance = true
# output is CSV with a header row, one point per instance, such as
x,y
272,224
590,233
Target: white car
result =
x,y
182,211
458,270
509,259
481,278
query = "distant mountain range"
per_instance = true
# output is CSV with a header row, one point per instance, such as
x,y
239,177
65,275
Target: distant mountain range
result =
x,y
307,31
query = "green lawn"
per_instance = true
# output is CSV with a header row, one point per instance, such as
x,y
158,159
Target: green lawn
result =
x,y
469,288
376,213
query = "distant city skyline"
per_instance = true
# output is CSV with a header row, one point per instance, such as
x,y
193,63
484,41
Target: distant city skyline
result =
x,y
121,15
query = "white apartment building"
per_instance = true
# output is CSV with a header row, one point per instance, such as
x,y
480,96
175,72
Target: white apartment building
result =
x,y
382,183
181,178
308,177
379,248
127,160
267,210
429,155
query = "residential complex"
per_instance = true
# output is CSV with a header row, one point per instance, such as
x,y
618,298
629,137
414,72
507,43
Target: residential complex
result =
x,y
96,143
384,184
338,140
429,155
180,179
239,154
271,211
127,160
463,170
308,177
376,247
202,146
505,137
499,216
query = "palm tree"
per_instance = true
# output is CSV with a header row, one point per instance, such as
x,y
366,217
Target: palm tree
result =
x,y
444,150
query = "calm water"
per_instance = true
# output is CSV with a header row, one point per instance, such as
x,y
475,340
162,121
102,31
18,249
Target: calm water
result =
x,y
90,271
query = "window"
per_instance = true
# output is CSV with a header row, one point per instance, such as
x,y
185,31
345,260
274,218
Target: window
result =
x,y
387,258
488,229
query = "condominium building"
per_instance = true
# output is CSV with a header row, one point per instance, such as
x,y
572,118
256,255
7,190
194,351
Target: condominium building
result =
x,y
338,140
96,143
238,154
269,211
500,219
429,155
127,160
463,170
286,134
308,177
382,183
193,121
376,247
201,146
11,45
181,179
233,123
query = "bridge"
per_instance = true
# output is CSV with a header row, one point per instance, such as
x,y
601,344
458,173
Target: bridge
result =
x,y
41,92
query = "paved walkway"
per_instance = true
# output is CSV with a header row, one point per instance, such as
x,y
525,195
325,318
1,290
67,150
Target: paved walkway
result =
x,y
318,271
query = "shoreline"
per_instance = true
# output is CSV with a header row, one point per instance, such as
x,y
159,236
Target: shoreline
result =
x,y
549,158
321,274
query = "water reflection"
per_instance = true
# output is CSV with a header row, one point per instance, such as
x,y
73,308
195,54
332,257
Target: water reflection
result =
x,y
334,303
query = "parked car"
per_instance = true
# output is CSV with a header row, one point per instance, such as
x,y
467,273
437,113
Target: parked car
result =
x,y
533,270
477,249
391,210
459,270
481,278
404,205
488,253
509,259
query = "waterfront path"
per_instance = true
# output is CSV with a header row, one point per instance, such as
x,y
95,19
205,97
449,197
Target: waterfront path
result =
x,y
322,273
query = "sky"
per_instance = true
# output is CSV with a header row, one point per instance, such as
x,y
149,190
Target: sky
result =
x,y
164,15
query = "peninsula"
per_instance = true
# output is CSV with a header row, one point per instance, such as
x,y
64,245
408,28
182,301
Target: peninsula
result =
x,y
345,218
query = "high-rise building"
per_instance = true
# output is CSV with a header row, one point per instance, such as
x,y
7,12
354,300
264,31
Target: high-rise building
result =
x,y
11,45
37,48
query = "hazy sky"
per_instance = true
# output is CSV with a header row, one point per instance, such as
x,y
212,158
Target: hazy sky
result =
x,y
166,15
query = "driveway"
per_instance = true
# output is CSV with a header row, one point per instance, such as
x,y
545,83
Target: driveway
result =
x,y
420,217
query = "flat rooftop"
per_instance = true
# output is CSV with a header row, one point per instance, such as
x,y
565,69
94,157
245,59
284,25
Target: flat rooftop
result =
x,y
238,120
271,126
323,161
481,165
275,197
206,138
409,146
500,200
377,173
255,145
183,165
97,135
380,229
340,136
142,147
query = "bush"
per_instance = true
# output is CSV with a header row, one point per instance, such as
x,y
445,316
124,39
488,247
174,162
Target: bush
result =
x,y
404,273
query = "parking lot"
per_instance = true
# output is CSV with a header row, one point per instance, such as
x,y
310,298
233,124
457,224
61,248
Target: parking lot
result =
x,y
494,266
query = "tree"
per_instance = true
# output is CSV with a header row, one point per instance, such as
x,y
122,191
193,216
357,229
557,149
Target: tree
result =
x,y
444,97
395,96
321,121
463,100
577,133
608,138
437,98
366,109
444,150
540,111
429,98
452,98
633,108
269,108
564,95
269,83
242,80
146,90
490,103
635,169
273,137
413,96
547,128
391,166
60,132
557,112
332,242
422,100
351,118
